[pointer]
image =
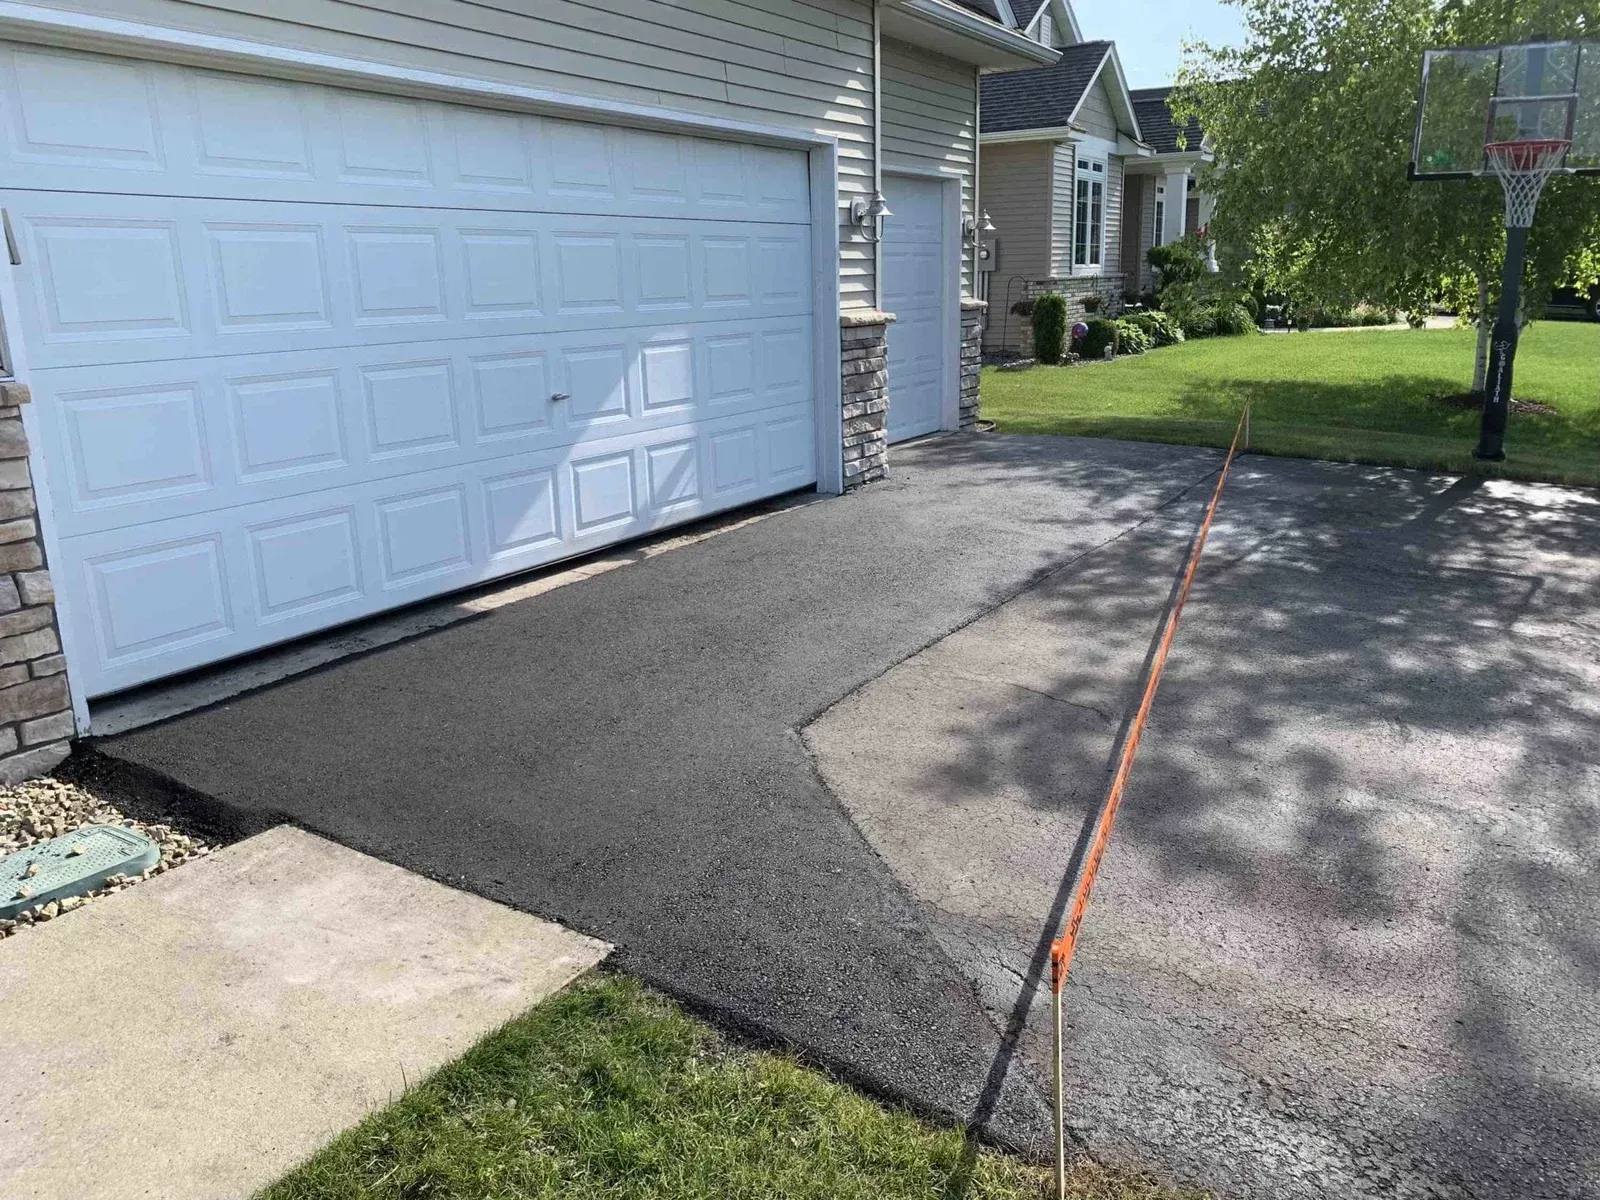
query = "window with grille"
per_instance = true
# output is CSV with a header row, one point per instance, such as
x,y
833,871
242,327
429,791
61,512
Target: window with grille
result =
x,y
1089,232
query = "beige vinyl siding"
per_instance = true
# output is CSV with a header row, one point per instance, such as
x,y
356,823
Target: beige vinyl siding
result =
x,y
929,107
1147,227
1062,210
1095,114
1133,202
1112,257
1014,181
804,65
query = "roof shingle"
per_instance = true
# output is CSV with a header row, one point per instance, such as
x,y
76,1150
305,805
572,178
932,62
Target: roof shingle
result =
x,y
1156,123
984,8
1024,11
1041,97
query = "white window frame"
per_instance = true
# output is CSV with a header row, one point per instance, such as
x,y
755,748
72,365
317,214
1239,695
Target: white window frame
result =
x,y
1091,174
1161,215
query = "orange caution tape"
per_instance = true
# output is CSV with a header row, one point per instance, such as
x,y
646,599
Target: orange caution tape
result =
x,y
1062,948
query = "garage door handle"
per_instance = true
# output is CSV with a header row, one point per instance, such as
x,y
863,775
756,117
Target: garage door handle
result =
x,y
11,238
557,397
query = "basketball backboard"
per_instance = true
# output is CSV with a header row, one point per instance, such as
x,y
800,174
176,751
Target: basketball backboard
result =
x,y
1476,96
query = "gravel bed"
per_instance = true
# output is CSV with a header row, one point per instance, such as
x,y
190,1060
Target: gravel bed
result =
x,y
41,809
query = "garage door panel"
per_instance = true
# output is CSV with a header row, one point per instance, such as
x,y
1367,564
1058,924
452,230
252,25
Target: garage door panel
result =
x,y
178,592
82,122
303,354
148,441
131,279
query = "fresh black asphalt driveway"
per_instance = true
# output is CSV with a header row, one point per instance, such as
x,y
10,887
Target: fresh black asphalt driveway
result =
x,y
1355,888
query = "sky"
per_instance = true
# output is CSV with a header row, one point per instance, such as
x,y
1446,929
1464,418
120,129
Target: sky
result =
x,y
1150,33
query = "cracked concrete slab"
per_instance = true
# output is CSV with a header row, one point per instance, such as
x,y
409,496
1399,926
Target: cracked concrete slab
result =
x,y
1342,943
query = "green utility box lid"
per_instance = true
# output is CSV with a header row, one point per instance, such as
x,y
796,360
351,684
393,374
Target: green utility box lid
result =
x,y
71,865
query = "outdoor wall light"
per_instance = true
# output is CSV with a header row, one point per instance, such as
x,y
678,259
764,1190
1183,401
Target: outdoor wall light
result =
x,y
970,229
865,215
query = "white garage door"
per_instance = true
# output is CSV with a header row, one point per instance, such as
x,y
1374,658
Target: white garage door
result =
x,y
914,256
301,354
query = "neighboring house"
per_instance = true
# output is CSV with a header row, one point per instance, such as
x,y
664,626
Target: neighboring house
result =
x,y
1159,181
338,307
1080,176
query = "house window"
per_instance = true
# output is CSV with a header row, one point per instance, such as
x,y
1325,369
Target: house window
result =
x,y
1089,229
1161,216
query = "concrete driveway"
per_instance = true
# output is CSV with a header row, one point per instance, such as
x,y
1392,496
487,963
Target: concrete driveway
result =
x,y
1341,945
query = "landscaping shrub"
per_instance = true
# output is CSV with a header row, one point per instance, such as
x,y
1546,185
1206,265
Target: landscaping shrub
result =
x,y
1178,263
1162,328
1102,333
1232,320
1350,318
1132,338
1049,327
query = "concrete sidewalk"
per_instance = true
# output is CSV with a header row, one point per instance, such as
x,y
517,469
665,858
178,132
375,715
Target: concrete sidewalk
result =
x,y
201,1033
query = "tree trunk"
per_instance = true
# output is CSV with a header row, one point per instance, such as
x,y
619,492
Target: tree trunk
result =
x,y
1480,364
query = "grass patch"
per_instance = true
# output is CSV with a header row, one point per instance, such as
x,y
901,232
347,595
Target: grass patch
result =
x,y
1364,396
610,1091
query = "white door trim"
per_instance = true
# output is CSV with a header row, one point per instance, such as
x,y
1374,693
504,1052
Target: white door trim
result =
x,y
31,23
950,382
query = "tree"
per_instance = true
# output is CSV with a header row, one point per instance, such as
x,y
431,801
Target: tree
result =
x,y
1311,122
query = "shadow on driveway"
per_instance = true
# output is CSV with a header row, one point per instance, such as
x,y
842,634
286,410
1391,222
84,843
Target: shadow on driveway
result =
x,y
1344,940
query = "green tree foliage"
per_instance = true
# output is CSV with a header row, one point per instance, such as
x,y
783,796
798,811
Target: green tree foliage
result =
x,y
1179,262
1049,328
1311,120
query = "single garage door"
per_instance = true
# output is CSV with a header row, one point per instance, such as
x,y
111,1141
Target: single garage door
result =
x,y
302,354
914,257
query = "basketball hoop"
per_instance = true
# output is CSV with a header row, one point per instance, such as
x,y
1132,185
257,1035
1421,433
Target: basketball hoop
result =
x,y
1525,112
1524,167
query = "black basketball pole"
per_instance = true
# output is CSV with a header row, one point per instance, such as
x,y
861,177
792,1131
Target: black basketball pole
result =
x,y
1502,353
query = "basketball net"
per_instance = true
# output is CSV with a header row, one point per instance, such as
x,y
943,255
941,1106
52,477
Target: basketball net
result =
x,y
1524,168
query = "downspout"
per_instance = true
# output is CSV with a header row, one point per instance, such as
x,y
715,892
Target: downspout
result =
x,y
877,148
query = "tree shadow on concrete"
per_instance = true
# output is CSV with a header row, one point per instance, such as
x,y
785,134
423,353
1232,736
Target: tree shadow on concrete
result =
x,y
1375,758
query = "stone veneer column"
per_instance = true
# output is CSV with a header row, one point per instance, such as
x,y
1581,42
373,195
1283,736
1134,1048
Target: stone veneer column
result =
x,y
36,719
972,315
864,375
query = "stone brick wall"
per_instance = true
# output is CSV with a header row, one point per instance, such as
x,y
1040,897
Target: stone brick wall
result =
x,y
864,342
972,317
36,720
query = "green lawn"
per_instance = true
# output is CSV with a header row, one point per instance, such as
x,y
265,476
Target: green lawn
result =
x,y
1349,396
611,1091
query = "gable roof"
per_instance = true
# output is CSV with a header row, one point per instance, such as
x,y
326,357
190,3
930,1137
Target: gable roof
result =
x,y
1026,10
1156,123
1042,97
